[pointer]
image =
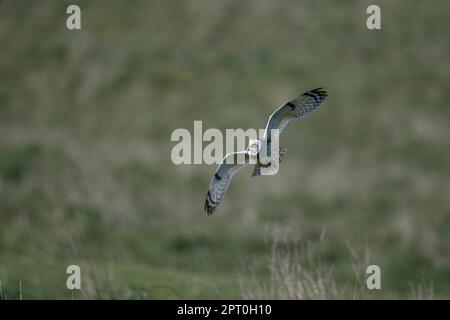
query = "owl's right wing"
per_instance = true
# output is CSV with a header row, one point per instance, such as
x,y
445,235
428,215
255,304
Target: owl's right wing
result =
x,y
232,163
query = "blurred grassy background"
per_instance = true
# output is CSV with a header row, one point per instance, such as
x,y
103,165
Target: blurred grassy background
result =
x,y
86,118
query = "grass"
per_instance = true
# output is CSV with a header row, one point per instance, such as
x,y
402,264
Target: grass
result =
x,y
297,270
85,124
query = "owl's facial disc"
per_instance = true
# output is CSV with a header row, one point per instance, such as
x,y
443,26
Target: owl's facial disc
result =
x,y
253,147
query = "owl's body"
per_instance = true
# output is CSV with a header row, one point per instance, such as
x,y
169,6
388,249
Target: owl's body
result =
x,y
266,152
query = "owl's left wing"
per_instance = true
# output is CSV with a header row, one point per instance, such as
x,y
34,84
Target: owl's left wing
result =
x,y
295,109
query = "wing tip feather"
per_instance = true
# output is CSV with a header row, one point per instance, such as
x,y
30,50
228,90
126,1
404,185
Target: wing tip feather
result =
x,y
208,207
320,91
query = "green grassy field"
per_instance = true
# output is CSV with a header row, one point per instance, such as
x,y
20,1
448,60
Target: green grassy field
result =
x,y
86,176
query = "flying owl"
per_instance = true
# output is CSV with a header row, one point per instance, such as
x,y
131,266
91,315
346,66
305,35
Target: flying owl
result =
x,y
294,109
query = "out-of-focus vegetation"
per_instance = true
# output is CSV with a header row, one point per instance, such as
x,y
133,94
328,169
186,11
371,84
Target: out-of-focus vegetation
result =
x,y
86,118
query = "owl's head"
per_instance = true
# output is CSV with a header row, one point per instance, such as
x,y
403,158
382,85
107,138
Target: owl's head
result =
x,y
254,146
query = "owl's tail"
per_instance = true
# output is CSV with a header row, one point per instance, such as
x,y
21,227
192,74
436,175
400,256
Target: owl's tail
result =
x,y
271,168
